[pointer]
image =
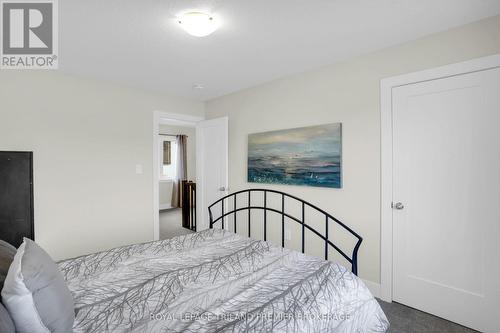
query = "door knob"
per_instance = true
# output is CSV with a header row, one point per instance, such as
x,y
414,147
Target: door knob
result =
x,y
223,189
397,205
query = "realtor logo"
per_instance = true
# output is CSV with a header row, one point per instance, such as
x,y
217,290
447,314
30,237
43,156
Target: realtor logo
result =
x,y
29,34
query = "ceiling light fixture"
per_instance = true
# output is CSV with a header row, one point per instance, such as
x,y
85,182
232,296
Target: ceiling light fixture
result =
x,y
198,24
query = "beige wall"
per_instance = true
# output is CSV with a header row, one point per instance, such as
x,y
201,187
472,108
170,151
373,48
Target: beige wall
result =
x,y
346,92
87,138
165,188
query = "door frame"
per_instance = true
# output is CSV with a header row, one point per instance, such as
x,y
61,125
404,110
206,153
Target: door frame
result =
x,y
386,145
175,119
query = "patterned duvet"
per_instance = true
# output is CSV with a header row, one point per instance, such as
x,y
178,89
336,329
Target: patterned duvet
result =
x,y
216,281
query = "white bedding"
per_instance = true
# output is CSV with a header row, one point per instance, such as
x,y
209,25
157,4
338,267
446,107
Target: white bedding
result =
x,y
216,281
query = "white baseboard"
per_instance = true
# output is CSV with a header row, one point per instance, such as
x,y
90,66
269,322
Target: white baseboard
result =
x,y
165,206
373,287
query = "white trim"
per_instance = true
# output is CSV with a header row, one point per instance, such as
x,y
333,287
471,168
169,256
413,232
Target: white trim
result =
x,y
160,117
373,287
386,86
169,118
200,196
166,206
156,176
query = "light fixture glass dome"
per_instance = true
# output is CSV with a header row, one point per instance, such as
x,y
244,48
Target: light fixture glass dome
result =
x,y
198,24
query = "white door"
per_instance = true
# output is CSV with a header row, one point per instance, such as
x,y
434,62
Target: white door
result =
x,y
212,170
446,229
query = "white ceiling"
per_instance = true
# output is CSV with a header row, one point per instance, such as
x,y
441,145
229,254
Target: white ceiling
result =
x,y
139,42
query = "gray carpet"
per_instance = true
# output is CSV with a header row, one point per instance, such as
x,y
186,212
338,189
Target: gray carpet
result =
x,y
404,319
171,223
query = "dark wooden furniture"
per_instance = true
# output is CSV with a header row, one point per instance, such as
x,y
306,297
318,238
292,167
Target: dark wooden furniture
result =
x,y
189,205
16,196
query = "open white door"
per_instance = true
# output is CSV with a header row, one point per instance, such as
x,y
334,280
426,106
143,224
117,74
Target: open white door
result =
x,y
211,166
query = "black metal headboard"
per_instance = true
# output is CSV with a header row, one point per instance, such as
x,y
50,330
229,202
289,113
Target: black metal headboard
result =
x,y
353,260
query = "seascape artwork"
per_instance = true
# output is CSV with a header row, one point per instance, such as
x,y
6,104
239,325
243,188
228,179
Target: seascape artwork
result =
x,y
309,156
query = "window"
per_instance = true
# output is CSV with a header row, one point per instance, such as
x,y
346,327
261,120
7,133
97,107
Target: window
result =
x,y
168,153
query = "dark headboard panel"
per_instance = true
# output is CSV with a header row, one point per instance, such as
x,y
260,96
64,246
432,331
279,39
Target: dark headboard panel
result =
x,y
16,196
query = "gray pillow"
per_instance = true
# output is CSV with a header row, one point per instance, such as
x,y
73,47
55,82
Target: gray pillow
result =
x,y
35,293
6,324
7,253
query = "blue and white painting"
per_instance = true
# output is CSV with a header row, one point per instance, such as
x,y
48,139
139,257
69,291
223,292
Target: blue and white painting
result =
x,y
310,156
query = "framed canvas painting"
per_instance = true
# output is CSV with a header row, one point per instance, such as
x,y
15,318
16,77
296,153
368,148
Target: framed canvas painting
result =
x,y
309,156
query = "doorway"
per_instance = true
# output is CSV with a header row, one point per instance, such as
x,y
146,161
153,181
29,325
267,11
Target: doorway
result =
x,y
190,157
177,185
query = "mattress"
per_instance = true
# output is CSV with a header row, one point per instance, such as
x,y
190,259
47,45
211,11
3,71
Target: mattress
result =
x,y
216,280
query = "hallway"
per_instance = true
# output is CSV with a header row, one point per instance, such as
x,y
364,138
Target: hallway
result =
x,y
171,223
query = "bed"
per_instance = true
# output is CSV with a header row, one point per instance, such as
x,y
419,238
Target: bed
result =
x,y
219,281
215,280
